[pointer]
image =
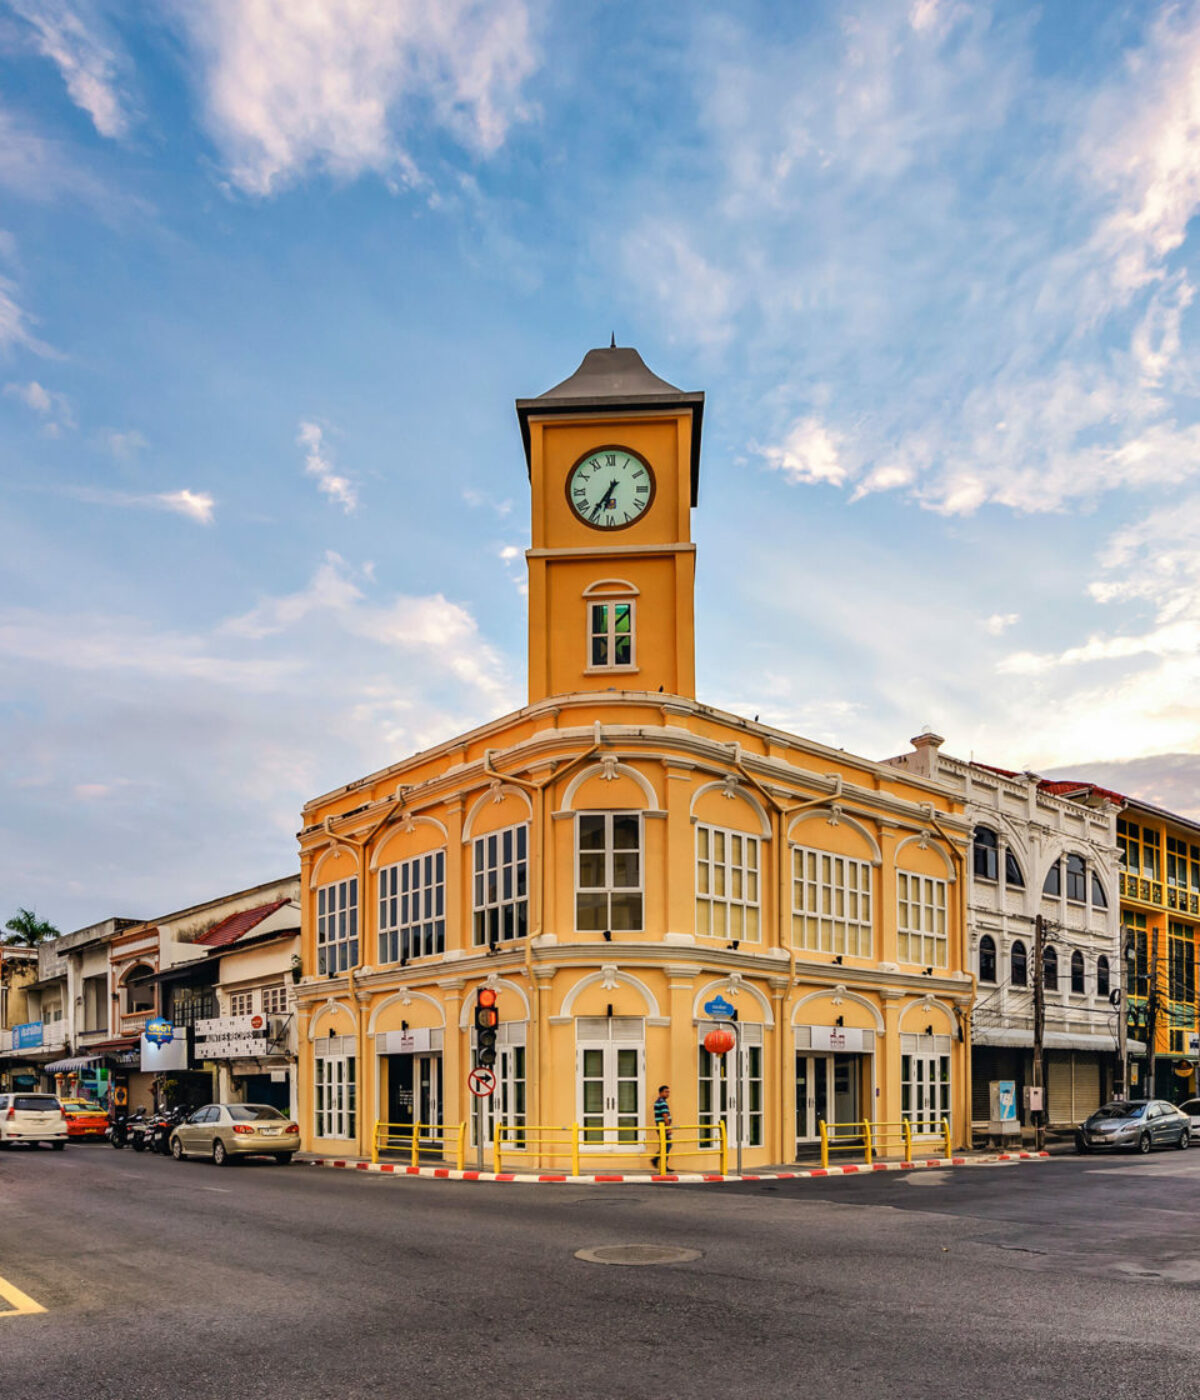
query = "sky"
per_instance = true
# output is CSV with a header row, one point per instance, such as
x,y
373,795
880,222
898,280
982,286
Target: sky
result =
x,y
272,274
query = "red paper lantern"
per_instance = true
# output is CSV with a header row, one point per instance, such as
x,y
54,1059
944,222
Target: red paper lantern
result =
x,y
719,1041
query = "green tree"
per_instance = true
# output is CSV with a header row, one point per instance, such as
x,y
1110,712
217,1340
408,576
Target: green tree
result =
x,y
25,929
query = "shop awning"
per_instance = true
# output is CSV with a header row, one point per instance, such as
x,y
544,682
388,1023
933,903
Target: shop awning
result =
x,y
112,1047
1018,1038
70,1066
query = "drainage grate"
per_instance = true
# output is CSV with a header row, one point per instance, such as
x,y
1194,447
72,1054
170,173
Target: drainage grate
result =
x,y
635,1254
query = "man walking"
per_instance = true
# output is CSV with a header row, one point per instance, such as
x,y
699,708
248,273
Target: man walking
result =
x,y
662,1120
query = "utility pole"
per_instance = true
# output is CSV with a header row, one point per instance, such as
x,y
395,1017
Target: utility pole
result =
x,y
1039,1024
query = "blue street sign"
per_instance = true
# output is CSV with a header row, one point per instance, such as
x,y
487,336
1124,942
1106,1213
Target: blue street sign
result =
x,y
27,1036
160,1031
718,1007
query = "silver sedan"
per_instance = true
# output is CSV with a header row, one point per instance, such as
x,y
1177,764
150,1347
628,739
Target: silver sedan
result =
x,y
1137,1125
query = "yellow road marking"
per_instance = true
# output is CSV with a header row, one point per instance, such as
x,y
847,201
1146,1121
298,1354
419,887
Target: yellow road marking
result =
x,y
21,1302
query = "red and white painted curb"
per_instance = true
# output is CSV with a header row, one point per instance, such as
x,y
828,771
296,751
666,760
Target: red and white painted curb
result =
x,y
671,1178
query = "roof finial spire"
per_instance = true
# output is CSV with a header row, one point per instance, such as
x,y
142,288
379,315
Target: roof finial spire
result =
x,y
612,344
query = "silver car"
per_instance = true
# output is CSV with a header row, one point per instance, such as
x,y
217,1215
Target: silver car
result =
x,y
226,1131
1137,1125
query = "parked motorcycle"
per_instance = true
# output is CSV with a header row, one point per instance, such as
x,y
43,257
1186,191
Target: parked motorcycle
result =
x,y
161,1126
118,1130
137,1131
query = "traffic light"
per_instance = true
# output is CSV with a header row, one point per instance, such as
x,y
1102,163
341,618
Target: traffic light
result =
x,y
487,1023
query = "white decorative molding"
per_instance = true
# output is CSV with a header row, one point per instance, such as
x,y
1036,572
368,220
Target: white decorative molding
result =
x,y
406,997
926,1004
845,996
823,814
730,787
406,826
330,851
499,983
720,984
496,792
922,840
331,1004
613,587
609,768
602,978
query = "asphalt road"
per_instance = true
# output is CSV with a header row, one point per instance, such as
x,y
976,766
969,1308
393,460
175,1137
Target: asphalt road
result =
x,y
1067,1278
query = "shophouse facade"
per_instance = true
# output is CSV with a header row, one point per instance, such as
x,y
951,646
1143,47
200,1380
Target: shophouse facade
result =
x,y
161,968
1160,917
18,969
1049,848
615,855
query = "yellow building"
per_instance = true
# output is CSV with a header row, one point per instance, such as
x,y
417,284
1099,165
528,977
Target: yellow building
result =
x,y
615,855
1160,916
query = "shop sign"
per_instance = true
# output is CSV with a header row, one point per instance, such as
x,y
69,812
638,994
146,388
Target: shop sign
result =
x,y
27,1036
159,1031
232,1038
406,1042
837,1038
159,1056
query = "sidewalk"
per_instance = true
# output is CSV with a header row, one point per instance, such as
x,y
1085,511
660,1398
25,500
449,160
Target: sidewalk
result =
x,y
780,1173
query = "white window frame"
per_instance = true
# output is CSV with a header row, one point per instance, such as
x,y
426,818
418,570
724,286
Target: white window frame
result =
x,y
737,1088
925,1097
337,926
735,910
488,886
335,1093
412,907
241,1003
925,943
608,888
830,912
274,999
608,631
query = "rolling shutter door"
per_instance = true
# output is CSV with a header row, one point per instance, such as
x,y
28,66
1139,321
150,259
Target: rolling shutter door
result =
x,y
1087,1085
1058,1080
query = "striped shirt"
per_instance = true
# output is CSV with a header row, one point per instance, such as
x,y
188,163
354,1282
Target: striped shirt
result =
x,y
662,1110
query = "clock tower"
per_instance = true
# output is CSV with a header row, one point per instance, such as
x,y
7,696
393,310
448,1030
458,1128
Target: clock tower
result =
x,y
613,455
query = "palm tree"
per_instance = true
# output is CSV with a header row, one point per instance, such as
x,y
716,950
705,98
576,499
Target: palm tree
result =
x,y
25,929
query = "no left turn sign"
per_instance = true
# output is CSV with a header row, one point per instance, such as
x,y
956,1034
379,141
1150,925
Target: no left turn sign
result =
x,y
481,1082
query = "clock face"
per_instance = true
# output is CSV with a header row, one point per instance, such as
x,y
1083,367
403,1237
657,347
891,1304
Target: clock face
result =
x,y
610,488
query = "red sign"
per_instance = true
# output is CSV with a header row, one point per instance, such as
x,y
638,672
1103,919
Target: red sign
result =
x,y
481,1082
256,1022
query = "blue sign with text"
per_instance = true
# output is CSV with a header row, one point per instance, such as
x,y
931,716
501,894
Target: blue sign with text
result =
x,y
27,1036
159,1031
718,1007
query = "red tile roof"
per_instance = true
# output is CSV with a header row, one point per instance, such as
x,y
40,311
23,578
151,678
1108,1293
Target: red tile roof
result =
x,y
231,929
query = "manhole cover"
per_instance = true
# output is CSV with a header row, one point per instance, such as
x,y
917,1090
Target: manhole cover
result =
x,y
637,1254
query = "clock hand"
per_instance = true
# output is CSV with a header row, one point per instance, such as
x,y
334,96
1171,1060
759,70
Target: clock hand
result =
x,y
608,490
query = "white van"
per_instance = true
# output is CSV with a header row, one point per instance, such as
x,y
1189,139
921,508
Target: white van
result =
x,y
32,1118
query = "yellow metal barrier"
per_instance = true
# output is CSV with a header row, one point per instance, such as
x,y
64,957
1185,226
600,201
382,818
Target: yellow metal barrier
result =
x,y
415,1138
880,1139
616,1144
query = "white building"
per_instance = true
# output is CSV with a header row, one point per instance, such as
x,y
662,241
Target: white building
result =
x,y
1049,848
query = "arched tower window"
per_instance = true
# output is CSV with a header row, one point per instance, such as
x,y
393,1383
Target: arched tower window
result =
x,y
987,958
1077,973
986,853
1050,969
1018,965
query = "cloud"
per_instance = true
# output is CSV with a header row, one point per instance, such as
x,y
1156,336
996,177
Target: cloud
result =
x,y
88,66
125,446
53,408
292,88
15,329
999,623
317,464
477,499
810,453
195,505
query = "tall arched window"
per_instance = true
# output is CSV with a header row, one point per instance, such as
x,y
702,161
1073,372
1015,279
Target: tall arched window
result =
x,y
987,958
1102,980
1053,884
1077,973
1076,879
1099,898
139,995
1050,969
1012,872
986,851
1018,965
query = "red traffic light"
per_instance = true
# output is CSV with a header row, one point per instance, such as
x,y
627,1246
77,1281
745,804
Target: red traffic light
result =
x,y
486,996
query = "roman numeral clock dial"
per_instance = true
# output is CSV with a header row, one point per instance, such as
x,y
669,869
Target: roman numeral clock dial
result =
x,y
610,488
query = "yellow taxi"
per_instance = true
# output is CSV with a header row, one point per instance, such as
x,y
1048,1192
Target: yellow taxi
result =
x,y
84,1118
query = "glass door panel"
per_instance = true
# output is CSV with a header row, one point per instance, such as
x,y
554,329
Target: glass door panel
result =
x,y
592,1066
628,1094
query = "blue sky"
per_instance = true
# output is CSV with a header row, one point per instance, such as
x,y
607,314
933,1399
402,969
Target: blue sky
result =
x,y
271,276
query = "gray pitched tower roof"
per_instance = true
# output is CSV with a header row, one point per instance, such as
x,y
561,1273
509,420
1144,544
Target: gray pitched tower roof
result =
x,y
612,380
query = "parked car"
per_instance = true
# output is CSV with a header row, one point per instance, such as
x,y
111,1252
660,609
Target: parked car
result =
x,y
1192,1109
32,1118
1136,1125
84,1118
223,1131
